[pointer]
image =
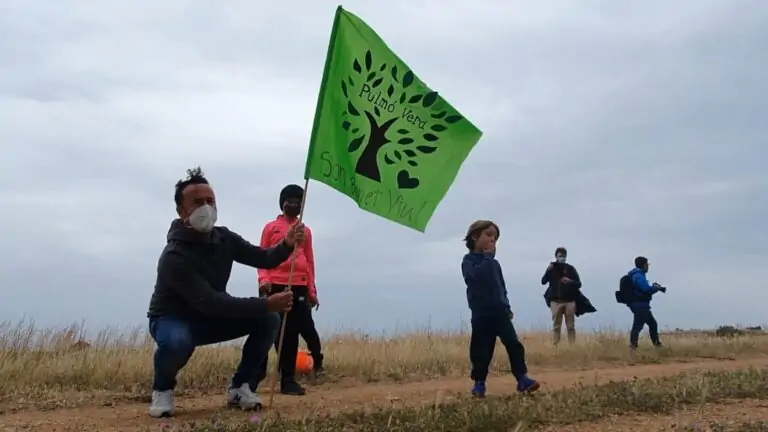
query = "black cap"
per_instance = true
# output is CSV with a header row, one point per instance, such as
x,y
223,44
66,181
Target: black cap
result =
x,y
291,191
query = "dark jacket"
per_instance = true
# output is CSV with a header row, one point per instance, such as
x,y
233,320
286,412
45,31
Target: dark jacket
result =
x,y
486,289
583,305
644,291
558,291
194,268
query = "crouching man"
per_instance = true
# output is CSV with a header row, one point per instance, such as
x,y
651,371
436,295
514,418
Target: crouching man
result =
x,y
190,306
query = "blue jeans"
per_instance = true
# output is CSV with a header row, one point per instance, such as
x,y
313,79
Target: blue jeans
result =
x,y
177,339
641,317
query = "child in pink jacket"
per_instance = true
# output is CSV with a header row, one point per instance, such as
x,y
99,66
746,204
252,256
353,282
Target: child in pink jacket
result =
x,y
302,284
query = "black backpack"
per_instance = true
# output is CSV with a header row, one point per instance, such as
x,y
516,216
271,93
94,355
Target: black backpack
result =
x,y
626,291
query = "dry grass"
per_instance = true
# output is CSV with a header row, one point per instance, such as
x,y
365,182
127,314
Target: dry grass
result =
x,y
563,407
53,368
746,426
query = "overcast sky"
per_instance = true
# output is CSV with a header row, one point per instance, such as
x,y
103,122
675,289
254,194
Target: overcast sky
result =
x,y
614,128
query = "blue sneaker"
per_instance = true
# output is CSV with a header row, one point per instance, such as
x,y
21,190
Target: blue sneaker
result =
x,y
527,385
478,390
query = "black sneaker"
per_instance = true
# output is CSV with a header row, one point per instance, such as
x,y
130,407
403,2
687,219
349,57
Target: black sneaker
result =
x,y
318,364
292,388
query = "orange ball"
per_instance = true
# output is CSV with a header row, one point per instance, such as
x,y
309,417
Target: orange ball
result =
x,y
304,362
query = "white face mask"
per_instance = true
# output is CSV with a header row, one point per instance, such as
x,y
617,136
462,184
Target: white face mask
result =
x,y
560,259
203,218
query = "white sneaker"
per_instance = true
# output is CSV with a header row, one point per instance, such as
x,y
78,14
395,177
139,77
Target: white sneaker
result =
x,y
162,404
244,397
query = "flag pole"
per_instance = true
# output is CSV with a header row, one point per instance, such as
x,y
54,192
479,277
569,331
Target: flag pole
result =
x,y
315,124
281,336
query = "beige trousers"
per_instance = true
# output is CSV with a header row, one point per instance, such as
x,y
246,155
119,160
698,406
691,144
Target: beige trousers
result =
x,y
560,311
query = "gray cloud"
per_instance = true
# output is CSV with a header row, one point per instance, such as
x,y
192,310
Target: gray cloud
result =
x,y
614,129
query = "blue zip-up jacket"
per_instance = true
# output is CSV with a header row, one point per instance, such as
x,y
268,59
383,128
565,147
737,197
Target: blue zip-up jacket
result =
x,y
643,289
486,289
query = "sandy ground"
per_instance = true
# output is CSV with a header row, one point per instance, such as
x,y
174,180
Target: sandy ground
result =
x,y
729,414
133,416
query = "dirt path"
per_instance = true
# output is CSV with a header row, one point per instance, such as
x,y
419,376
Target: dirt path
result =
x,y
697,418
132,417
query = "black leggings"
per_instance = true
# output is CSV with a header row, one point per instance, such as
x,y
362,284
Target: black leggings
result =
x,y
308,332
485,330
298,317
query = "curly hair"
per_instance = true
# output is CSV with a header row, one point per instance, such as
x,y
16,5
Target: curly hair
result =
x,y
194,176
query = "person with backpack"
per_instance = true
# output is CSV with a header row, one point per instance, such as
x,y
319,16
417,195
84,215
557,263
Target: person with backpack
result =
x,y
561,295
637,293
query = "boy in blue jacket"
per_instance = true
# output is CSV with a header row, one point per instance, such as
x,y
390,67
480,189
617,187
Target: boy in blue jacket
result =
x,y
640,305
491,313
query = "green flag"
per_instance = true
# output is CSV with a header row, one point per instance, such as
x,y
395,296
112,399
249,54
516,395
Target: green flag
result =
x,y
380,135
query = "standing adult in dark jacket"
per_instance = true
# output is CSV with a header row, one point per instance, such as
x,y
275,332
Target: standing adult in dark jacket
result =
x,y
564,285
190,306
